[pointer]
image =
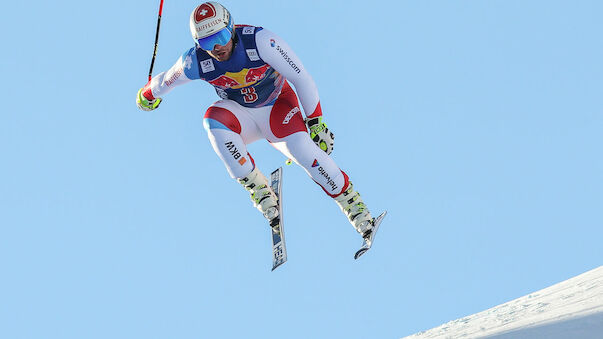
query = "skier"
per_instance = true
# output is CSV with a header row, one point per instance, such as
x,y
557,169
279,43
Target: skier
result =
x,y
250,68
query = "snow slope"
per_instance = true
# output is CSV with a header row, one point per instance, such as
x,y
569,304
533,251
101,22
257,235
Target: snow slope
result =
x,y
571,309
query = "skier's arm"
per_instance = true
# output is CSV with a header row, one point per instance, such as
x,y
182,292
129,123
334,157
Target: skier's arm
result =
x,y
281,57
182,72
275,51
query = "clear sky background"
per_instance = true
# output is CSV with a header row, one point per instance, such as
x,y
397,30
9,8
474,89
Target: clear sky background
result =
x,y
476,124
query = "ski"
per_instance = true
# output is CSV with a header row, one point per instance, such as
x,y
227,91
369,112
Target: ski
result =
x,y
279,251
368,241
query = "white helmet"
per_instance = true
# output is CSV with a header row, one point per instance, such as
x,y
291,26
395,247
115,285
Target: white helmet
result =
x,y
211,24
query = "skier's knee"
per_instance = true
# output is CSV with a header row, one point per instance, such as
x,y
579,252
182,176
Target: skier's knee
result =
x,y
221,118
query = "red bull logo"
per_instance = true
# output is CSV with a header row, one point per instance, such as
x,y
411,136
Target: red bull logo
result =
x,y
224,82
244,78
255,74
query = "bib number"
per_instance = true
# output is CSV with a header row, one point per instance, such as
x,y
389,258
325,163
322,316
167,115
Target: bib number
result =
x,y
249,94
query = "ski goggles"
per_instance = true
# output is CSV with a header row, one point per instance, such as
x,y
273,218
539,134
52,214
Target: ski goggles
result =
x,y
222,37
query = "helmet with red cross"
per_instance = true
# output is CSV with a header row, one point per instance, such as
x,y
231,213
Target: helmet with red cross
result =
x,y
211,24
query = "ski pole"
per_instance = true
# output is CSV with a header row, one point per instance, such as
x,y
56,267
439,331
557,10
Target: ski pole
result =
x,y
156,40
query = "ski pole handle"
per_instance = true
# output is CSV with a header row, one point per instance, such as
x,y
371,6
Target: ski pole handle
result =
x,y
156,40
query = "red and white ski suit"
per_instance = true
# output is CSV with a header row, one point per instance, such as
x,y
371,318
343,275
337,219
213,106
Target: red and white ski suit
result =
x,y
257,103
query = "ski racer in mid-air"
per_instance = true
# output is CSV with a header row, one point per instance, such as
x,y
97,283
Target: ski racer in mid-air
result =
x,y
250,68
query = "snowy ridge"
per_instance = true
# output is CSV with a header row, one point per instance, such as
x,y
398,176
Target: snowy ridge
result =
x,y
570,309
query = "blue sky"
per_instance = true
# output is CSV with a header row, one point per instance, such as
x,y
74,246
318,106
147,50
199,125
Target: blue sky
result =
x,y
476,124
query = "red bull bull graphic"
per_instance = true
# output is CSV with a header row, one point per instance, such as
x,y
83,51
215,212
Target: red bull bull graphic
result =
x,y
246,77
255,74
224,82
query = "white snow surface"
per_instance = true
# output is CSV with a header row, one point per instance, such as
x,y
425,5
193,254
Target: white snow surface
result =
x,y
572,309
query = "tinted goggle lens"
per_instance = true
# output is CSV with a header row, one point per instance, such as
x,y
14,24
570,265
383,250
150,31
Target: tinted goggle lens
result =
x,y
219,38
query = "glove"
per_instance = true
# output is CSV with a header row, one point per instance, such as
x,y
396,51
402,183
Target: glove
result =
x,y
146,104
320,134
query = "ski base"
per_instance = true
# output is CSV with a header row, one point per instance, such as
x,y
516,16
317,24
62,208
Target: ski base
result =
x,y
368,241
279,251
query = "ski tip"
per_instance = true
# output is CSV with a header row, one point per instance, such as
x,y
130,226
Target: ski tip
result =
x,y
360,252
277,266
368,243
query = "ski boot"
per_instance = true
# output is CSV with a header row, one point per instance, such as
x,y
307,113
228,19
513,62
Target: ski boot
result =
x,y
354,208
262,196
